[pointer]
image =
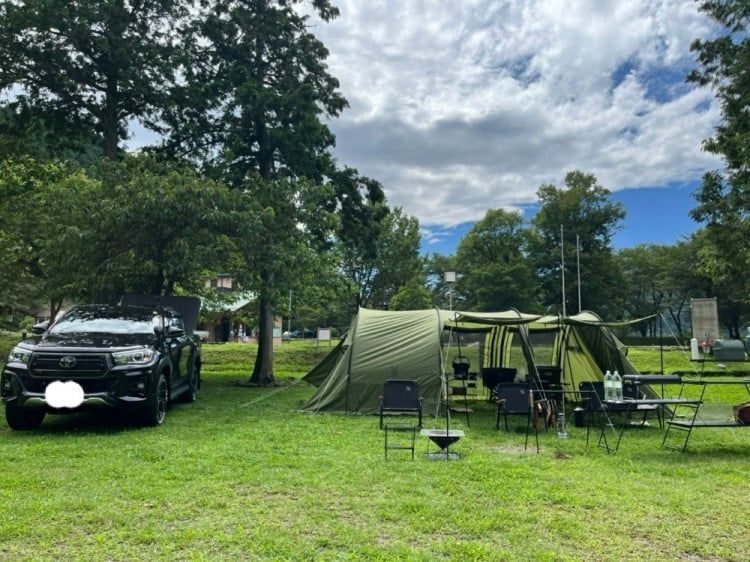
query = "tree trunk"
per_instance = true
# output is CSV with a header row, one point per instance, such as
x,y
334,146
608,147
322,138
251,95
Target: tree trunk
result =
x,y
54,309
110,123
263,369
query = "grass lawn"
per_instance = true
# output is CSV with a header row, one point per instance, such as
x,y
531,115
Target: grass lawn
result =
x,y
241,475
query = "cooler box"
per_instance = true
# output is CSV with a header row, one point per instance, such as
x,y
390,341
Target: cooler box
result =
x,y
729,350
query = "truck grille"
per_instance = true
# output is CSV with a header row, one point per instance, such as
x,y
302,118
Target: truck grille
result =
x,y
86,365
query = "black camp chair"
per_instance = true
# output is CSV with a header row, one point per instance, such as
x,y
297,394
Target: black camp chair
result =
x,y
516,399
551,378
400,397
593,396
492,376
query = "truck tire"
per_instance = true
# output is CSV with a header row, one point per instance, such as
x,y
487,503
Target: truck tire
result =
x,y
155,409
23,419
193,385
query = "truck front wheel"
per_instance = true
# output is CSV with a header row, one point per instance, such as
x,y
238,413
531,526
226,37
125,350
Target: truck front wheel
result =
x,y
155,409
23,419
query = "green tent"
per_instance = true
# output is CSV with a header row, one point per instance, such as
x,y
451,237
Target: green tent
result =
x,y
382,345
409,344
583,346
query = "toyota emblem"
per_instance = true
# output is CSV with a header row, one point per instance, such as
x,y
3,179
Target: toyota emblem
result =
x,y
68,362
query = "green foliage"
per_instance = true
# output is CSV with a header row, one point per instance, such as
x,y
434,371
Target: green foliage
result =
x,y
45,132
139,226
93,63
361,225
412,295
257,88
251,112
586,209
435,267
379,254
495,273
723,203
36,200
397,259
663,279
155,226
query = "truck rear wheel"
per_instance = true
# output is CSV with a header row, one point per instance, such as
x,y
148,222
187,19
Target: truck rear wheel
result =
x,y
194,382
23,419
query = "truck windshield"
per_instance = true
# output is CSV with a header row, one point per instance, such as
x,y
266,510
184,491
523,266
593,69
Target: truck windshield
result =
x,y
107,320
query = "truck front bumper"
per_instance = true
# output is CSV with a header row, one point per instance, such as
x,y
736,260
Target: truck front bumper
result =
x,y
121,389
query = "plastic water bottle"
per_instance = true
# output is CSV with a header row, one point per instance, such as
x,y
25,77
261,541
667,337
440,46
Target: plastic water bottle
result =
x,y
562,431
694,352
607,386
617,386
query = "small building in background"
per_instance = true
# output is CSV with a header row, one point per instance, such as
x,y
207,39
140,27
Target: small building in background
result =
x,y
231,315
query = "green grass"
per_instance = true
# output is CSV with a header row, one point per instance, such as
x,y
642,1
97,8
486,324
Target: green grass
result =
x,y
647,359
242,475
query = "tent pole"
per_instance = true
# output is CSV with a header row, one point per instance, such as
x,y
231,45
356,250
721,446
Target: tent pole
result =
x,y
445,381
562,268
661,344
578,266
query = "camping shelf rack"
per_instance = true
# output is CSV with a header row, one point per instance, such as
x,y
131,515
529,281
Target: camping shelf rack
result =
x,y
690,415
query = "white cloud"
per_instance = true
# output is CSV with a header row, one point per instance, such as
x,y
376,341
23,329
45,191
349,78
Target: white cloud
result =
x,y
458,107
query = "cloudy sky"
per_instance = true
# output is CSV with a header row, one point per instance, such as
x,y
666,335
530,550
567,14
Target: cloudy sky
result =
x,y
464,105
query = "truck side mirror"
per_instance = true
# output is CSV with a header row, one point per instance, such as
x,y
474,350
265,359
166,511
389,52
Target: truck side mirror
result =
x,y
39,329
175,332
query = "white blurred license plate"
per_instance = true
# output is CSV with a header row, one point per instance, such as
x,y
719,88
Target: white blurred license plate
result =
x,y
67,394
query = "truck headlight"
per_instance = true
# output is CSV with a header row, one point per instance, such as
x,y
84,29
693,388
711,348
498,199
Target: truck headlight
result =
x,y
19,355
140,356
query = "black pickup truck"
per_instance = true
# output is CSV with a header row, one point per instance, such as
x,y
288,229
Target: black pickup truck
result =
x,y
137,356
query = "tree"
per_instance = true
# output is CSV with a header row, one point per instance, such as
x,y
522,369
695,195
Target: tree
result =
x,y
257,91
413,295
92,64
647,284
724,196
495,273
435,267
35,198
723,280
584,208
362,221
154,227
44,132
397,256
683,281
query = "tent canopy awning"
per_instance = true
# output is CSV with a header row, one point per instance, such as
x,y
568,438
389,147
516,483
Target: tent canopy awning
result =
x,y
486,320
591,319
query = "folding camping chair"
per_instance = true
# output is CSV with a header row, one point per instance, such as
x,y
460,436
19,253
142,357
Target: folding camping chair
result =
x,y
516,399
400,397
492,376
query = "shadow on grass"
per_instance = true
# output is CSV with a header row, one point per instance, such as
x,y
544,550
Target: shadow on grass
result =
x,y
94,422
97,422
